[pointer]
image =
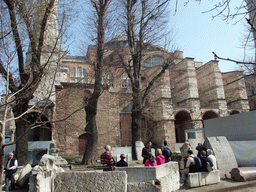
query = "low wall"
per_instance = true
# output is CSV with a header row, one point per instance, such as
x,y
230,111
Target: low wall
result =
x,y
81,181
162,178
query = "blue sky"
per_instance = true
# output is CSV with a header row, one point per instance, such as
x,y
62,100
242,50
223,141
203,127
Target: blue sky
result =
x,y
197,34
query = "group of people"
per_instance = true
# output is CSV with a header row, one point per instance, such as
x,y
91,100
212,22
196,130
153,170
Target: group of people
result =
x,y
162,155
205,160
108,162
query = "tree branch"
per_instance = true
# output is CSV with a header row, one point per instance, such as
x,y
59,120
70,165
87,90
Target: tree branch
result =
x,y
232,60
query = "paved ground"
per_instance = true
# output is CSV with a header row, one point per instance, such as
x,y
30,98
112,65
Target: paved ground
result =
x,y
224,186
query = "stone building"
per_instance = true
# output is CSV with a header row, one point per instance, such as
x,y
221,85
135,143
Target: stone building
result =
x,y
185,95
188,93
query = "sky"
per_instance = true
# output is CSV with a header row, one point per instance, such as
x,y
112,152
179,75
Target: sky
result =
x,y
198,34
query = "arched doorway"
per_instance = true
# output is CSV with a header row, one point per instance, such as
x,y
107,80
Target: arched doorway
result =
x,y
83,141
44,130
182,123
234,112
209,115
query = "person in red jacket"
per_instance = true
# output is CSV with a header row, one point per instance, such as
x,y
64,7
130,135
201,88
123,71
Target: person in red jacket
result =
x,y
160,159
150,162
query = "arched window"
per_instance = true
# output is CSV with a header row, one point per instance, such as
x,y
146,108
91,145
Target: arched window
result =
x,y
78,75
125,83
153,61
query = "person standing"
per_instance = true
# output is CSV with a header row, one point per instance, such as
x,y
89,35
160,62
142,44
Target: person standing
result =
x,y
184,154
167,152
10,170
107,159
200,148
146,151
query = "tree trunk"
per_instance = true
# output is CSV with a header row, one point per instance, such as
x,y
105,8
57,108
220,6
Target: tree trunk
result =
x,y
136,120
21,152
91,129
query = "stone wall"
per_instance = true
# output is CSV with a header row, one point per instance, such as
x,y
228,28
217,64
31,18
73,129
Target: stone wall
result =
x,y
210,86
235,91
165,175
66,133
91,181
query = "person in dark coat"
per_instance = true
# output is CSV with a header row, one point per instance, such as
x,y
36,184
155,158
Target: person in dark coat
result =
x,y
200,148
146,151
203,159
122,162
10,170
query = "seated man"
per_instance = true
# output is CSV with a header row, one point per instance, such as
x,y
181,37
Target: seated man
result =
x,y
122,162
212,158
189,167
203,159
107,159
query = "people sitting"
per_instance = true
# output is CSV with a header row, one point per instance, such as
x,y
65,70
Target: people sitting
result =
x,y
150,162
212,158
189,166
204,160
107,159
122,162
160,159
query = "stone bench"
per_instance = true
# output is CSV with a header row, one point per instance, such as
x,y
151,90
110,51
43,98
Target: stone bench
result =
x,y
160,178
203,178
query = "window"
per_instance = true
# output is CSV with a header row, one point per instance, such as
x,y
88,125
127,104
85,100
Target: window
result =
x,y
107,78
153,61
125,83
78,75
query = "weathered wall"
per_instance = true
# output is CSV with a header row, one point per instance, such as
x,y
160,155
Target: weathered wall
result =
x,y
167,174
183,82
90,181
210,86
66,133
235,91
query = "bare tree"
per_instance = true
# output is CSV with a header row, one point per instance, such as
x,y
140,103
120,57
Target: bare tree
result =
x,y
245,10
145,24
91,99
30,23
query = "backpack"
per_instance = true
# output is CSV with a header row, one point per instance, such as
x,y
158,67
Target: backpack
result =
x,y
198,162
167,152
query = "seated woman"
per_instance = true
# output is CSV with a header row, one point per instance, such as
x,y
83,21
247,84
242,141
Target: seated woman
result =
x,y
160,159
150,162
